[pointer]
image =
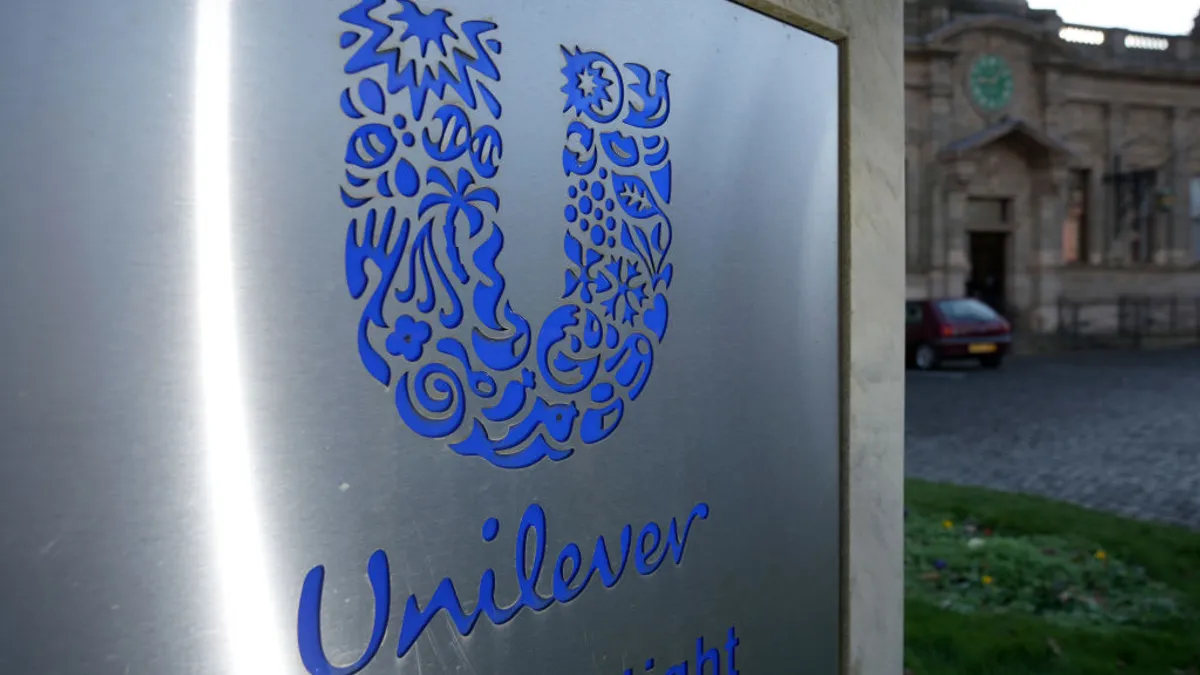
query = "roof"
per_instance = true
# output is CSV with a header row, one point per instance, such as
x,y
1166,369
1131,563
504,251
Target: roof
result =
x,y
1006,127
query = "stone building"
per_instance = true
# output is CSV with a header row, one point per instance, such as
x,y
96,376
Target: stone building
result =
x,y
1056,161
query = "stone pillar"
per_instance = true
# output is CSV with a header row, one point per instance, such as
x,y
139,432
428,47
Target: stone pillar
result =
x,y
914,242
1116,140
1097,209
1116,41
935,250
1022,251
1054,99
940,129
1181,224
957,266
1050,214
1048,246
1183,48
871,37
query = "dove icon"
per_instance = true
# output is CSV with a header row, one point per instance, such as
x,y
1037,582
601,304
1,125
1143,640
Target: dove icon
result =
x,y
656,104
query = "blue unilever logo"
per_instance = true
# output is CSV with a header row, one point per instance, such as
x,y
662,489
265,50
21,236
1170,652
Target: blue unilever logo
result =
x,y
423,250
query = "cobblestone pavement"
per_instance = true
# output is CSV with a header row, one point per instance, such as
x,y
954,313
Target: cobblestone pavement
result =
x,y
1118,431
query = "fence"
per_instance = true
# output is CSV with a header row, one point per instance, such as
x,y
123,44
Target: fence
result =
x,y
1129,321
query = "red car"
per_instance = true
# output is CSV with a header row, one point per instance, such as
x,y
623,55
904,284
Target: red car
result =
x,y
954,328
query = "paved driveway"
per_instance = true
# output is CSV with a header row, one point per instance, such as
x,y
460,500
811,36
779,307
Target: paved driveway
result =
x,y
1118,431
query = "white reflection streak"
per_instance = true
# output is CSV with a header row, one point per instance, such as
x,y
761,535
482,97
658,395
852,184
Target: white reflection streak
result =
x,y
246,611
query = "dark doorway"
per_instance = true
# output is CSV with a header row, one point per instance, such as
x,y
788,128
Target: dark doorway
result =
x,y
989,264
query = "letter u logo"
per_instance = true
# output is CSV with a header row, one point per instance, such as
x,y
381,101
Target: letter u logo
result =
x,y
423,248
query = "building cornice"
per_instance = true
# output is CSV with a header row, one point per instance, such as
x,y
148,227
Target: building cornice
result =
x,y
1112,68
1111,58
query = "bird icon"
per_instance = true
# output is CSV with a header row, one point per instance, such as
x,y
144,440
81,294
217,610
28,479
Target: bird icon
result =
x,y
655,104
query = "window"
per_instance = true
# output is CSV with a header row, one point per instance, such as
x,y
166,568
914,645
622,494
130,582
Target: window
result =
x,y
1075,242
966,310
1135,214
1139,203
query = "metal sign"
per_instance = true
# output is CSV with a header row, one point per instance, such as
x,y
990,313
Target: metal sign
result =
x,y
471,337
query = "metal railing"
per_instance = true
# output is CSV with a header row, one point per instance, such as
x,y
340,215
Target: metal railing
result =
x,y
1129,321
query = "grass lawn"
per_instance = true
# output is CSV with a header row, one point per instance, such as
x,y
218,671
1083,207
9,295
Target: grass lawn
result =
x,y
1009,584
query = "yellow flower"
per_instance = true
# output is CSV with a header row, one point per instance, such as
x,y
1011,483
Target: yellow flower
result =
x,y
987,581
1101,555
947,524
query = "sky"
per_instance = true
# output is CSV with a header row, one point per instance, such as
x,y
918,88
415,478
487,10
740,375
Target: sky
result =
x,y
1171,17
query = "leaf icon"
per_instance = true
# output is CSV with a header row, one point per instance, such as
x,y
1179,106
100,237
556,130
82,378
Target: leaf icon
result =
x,y
634,196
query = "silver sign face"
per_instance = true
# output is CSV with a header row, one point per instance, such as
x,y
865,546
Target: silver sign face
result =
x,y
388,336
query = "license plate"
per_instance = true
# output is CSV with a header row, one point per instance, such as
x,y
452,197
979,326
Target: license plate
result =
x,y
982,348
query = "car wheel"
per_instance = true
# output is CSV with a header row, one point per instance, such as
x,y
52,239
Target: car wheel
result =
x,y
925,358
991,362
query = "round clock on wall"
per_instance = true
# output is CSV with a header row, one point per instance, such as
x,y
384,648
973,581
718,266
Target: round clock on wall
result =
x,y
991,82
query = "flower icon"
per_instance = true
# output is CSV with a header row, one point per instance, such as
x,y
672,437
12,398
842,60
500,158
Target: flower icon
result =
x,y
1101,555
408,338
987,580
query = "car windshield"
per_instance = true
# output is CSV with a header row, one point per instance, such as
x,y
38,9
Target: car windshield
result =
x,y
913,313
966,310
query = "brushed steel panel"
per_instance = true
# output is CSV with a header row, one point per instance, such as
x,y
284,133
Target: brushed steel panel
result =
x,y
193,426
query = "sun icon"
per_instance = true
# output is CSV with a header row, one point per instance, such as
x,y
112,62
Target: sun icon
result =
x,y
587,87
431,28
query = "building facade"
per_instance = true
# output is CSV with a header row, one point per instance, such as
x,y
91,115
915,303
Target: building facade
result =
x,y
1047,161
